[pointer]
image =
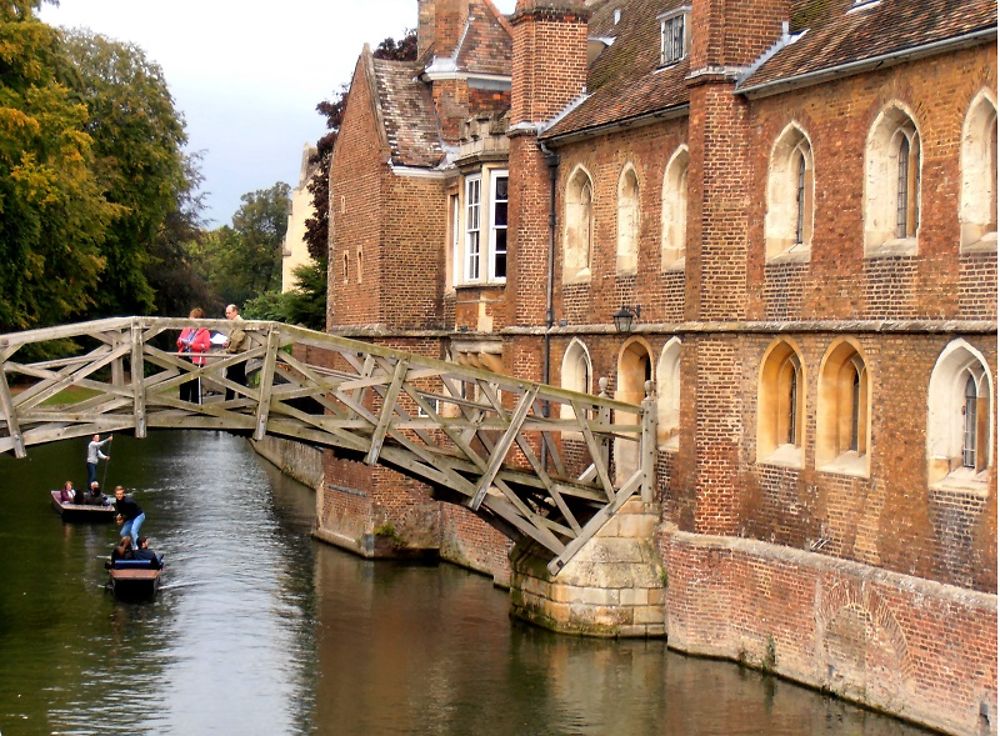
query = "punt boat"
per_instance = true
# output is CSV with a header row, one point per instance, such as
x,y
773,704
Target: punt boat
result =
x,y
70,511
135,579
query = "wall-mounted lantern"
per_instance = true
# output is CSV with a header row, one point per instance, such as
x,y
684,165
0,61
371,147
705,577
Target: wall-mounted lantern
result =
x,y
624,318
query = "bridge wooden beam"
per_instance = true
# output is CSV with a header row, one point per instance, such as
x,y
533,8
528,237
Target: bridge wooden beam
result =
x,y
138,382
13,427
502,447
266,381
388,410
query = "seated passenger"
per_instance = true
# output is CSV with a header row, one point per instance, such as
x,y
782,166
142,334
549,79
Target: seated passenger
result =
x,y
68,493
94,497
145,553
123,551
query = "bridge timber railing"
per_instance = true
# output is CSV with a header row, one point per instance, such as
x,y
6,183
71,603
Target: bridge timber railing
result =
x,y
534,460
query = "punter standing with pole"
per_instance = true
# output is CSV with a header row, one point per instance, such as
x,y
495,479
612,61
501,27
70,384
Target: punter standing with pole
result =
x,y
94,454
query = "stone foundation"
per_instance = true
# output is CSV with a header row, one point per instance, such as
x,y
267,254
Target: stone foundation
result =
x,y
613,587
294,459
904,645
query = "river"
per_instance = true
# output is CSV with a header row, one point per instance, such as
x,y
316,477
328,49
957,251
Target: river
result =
x,y
259,629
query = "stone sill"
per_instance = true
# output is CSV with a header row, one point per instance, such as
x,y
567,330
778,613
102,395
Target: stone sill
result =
x,y
796,254
785,456
964,480
848,463
987,245
675,266
892,248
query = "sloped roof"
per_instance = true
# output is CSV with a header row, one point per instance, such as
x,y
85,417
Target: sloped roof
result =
x,y
867,32
408,115
486,45
625,81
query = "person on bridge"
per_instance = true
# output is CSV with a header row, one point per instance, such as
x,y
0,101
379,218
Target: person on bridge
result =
x,y
196,341
94,455
131,513
236,343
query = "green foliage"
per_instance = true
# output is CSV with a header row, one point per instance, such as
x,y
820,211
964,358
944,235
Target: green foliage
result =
x,y
306,304
270,305
53,217
243,261
138,140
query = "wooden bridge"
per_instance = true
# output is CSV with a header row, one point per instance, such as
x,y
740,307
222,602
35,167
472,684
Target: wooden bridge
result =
x,y
533,460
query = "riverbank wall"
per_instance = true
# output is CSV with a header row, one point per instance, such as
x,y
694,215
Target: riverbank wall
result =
x,y
911,647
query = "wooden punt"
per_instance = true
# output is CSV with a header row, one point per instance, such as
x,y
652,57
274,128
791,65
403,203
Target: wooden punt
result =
x,y
134,579
71,511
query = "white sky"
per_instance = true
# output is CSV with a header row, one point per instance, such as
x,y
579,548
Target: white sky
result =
x,y
247,74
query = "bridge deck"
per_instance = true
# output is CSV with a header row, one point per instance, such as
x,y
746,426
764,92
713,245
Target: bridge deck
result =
x,y
507,447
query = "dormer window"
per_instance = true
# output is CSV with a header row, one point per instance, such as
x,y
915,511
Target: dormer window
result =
x,y
673,35
617,15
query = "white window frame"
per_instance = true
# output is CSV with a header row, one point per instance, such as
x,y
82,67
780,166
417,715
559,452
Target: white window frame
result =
x,y
495,176
472,260
668,22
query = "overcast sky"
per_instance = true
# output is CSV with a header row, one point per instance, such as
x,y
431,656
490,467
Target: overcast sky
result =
x,y
247,74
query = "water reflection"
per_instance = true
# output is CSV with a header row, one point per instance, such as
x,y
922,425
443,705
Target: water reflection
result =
x,y
261,630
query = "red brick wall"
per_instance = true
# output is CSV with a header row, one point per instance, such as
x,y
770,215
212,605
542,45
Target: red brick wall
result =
x,y
411,256
839,282
550,58
734,33
356,209
661,294
918,649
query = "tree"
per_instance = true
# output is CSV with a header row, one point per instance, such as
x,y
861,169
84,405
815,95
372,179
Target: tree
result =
x,y
318,226
138,145
243,261
53,217
306,304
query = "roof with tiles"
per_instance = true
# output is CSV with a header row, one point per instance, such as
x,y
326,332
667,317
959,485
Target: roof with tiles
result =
x,y
408,114
486,45
626,81
866,32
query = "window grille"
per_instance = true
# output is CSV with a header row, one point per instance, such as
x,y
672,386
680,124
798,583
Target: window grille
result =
x,y
472,205
672,39
969,435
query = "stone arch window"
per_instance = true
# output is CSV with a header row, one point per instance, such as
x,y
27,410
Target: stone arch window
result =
x,y
978,202
668,396
578,236
674,199
576,374
634,369
959,417
627,253
788,226
892,185
781,406
843,409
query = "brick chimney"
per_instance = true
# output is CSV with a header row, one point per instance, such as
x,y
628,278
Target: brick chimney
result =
x,y
550,57
425,25
724,33
549,71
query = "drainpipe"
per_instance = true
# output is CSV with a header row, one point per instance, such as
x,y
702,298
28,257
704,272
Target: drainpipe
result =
x,y
552,159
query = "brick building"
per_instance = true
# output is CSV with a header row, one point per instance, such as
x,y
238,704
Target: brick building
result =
x,y
797,199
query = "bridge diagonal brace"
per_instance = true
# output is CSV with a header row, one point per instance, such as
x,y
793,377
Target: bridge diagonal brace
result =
x,y
595,451
501,448
13,429
388,411
596,522
266,381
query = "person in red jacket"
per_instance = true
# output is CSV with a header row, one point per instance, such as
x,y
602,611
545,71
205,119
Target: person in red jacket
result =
x,y
195,341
